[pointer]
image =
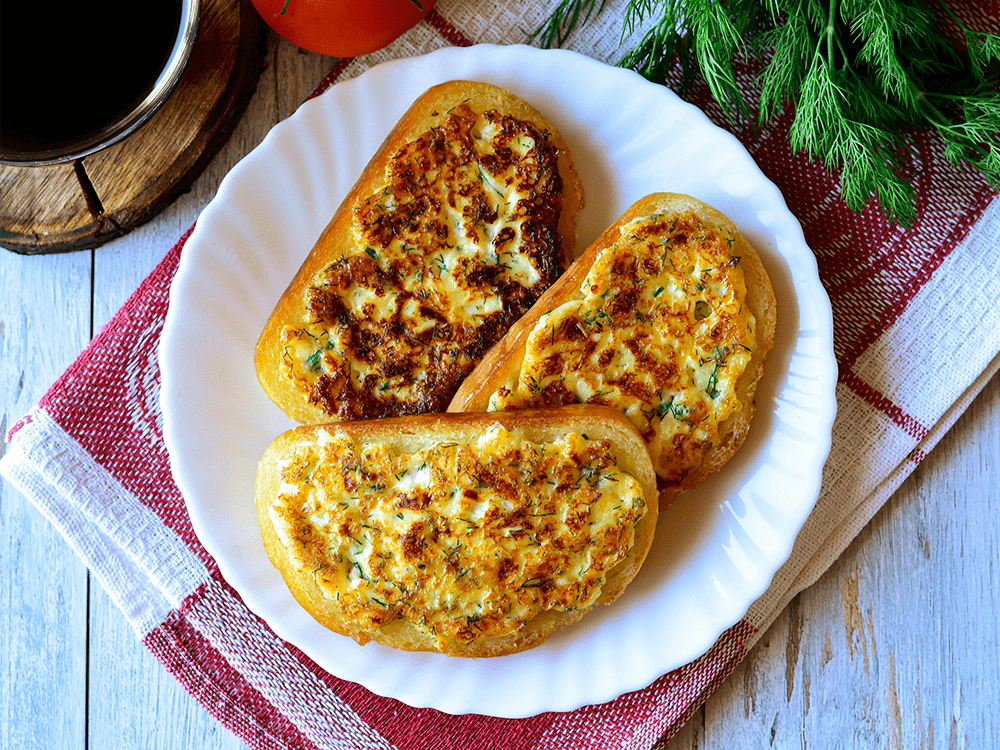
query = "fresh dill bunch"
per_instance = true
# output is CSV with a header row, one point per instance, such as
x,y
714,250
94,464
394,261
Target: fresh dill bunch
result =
x,y
860,76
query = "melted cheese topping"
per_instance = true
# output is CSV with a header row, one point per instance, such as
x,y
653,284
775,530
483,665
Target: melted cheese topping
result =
x,y
462,540
661,333
457,246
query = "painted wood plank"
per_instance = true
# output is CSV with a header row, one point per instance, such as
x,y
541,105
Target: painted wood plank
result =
x,y
895,647
161,714
44,322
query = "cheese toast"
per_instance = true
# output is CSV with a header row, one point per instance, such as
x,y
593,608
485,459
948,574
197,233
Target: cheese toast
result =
x,y
666,317
460,221
465,534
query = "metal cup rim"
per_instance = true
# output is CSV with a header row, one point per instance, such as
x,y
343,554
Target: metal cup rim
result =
x,y
166,82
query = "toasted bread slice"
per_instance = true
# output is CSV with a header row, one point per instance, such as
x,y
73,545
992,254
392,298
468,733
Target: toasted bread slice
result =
x,y
465,534
666,317
462,219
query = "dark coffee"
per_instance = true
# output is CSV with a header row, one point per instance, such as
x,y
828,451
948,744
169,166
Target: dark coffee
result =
x,y
68,70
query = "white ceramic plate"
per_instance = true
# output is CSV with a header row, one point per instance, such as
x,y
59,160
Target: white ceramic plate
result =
x,y
717,547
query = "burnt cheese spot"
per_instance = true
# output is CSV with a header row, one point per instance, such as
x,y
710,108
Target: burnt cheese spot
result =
x,y
457,245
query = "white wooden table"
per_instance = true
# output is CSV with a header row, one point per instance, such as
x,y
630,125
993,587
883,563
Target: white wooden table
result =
x,y
895,647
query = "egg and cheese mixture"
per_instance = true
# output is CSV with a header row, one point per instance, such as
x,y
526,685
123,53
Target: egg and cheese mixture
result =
x,y
661,333
462,540
456,247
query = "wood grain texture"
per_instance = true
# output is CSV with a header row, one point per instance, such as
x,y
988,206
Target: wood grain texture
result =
x,y
43,598
896,645
30,204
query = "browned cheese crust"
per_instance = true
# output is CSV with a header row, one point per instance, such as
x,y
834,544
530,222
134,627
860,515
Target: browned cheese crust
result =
x,y
457,225
666,317
466,534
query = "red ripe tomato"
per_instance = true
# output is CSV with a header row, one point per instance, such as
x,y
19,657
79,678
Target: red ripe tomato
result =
x,y
342,28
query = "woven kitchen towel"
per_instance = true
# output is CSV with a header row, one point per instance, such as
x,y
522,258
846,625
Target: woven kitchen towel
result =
x,y
91,456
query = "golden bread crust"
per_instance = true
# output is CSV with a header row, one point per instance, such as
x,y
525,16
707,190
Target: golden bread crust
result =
x,y
695,233
298,561
362,261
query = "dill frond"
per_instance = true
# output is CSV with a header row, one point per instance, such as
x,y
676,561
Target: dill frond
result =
x,y
566,17
860,76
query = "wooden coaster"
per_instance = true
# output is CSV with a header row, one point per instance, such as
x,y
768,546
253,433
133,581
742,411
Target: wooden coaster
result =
x,y
81,205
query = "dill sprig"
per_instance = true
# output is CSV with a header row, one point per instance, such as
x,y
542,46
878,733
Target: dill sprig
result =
x,y
565,17
861,77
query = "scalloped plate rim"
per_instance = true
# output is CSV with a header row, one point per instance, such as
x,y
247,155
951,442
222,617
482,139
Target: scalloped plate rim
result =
x,y
202,250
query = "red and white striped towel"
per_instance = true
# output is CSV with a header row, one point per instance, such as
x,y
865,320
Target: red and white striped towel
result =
x,y
91,456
